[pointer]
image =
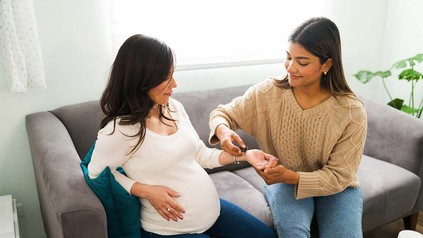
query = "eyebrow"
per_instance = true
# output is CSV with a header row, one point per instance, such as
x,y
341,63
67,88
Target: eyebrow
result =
x,y
299,57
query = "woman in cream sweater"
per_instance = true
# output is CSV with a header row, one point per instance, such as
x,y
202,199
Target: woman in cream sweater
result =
x,y
316,127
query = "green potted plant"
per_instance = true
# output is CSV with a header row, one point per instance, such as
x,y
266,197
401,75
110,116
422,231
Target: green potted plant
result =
x,y
407,73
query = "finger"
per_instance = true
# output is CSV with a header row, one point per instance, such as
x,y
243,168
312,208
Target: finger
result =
x,y
175,206
235,150
272,162
162,213
173,193
268,156
173,214
231,148
259,166
236,138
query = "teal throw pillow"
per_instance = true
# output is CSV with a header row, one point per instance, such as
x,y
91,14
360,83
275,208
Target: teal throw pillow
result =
x,y
122,209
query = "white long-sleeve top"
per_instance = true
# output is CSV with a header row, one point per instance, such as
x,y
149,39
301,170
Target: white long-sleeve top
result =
x,y
175,161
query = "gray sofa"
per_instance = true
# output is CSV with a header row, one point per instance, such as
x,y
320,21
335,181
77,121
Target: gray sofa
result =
x,y
390,172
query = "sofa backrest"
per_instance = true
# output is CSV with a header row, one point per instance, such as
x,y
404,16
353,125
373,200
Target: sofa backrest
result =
x,y
401,141
82,120
393,136
199,105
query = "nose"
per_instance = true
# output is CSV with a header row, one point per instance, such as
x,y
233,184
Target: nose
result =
x,y
173,82
289,66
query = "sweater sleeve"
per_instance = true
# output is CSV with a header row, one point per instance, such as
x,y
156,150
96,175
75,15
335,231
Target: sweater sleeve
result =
x,y
111,150
207,157
344,159
241,112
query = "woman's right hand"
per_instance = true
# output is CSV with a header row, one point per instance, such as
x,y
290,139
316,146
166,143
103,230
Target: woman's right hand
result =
x,y
227,138
161,198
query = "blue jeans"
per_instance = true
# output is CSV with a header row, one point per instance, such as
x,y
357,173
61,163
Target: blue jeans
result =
x,y
337,215
233,221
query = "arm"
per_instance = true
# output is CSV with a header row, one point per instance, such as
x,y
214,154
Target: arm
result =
x,y
211,158
242,113
111,151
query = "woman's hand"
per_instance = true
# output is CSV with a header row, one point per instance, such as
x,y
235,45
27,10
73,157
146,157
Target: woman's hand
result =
x,y
272,173
258,158
161,198
227,138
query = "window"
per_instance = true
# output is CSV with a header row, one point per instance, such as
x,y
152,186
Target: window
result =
x,y
216,33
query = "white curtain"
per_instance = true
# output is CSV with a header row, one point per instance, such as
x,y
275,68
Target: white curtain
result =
x,y
19,46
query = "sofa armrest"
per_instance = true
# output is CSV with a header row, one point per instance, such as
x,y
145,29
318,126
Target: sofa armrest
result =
x,y
68,206
395,137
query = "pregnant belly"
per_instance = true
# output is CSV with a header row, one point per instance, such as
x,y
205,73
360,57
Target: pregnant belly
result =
x,y
198,198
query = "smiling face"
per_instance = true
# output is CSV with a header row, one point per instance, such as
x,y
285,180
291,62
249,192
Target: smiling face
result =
x,y
162,92
304,69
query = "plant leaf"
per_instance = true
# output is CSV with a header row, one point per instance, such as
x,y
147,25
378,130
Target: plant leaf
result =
x,y
410,74
409,110
410,61
418,58
383,74
396,103
365,76
400,64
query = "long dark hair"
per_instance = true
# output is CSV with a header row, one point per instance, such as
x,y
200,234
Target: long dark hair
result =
x,y
320,36
141,63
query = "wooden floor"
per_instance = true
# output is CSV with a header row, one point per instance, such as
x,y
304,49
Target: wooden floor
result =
x,y
391,230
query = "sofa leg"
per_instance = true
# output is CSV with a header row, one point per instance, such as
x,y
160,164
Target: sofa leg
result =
x,y
410,222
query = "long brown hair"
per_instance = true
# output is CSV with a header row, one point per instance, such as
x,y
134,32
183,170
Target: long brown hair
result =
x,y
141,63
320,36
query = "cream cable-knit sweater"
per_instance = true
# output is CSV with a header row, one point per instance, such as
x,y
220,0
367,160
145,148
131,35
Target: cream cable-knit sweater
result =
x,y
324,143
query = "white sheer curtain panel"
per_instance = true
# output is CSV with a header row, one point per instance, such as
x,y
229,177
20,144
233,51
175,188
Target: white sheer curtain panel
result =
x,y
19,46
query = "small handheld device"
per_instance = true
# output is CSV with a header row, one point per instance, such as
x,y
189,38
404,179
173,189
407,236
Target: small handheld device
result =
x,y
243,149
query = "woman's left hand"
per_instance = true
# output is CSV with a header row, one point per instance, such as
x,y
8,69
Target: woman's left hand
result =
x,y
273,172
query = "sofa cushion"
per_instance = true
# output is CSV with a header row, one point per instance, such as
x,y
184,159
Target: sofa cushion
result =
x,y
237,190
252,177
122,209
388,190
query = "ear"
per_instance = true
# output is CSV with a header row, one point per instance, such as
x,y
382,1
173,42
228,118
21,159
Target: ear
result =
x,y
327,65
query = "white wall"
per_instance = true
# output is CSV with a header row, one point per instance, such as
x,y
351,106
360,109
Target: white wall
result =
x,y
76,52
362,27
403,39
376,34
